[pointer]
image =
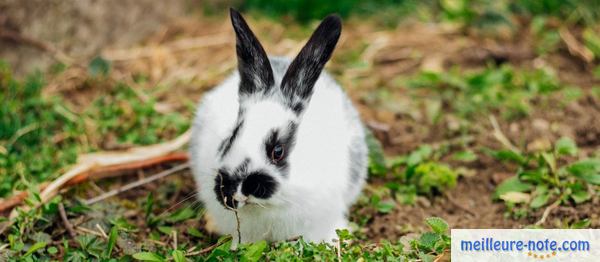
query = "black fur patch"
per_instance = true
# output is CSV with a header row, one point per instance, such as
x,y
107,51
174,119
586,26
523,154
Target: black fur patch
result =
x,y
303,72
225,187
287,140
298,108
259,185
225,146
253,63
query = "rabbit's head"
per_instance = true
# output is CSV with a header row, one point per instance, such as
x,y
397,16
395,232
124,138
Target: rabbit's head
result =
x,y
254,158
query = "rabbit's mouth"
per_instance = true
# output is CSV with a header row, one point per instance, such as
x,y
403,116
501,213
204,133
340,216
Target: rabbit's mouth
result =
x,y
236,191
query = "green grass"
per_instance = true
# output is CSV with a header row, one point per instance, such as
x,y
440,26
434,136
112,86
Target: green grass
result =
x,y
470,13
40,136
471,94
557,175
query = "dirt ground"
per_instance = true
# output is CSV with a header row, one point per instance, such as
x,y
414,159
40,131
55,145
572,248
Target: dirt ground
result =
x,y
191,55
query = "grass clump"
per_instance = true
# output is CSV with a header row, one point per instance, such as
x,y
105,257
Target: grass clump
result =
x,y
417,173
30,129
40,135
503,88
420,173
555,176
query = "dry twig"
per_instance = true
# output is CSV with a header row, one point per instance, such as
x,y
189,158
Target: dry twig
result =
x,y
89,231
89,163
500,136
547,212
65,220
176,46
575,47
136,184
207,249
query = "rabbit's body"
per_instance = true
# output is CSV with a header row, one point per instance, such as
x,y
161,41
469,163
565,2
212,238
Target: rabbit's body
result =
x,y
308,192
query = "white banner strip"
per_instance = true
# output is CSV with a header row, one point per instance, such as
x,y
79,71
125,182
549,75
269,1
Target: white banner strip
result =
x,y
525,244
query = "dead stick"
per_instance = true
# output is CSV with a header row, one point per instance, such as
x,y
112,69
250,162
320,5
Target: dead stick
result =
x,y
65,220
17,198
114,170
501,137
548,210
575,47
137,184
99,173
207,249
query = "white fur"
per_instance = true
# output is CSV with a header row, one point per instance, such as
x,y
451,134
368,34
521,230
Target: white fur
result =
x,y
315,197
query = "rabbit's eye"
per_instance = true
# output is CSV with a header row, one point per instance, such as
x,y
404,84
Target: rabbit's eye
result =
x,y
277,153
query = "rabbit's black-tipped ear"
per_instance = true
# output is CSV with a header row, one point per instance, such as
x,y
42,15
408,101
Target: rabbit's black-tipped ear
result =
x,y
253,64
302,74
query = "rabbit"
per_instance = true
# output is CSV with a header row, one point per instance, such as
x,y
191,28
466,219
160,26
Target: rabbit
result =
x,y
277,150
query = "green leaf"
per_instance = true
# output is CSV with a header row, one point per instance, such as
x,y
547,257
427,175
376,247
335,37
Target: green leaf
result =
x,y
99,67
112,240
566,147
429,239
580,196
52,250
582,224
512,184
587,170
430,176
166,230
385,206
178,256
148,256
35,247
592,41
579,192
465,156
254,252
437,224
148,206
181,215
421,154
194,232
542,195
377,165
508,155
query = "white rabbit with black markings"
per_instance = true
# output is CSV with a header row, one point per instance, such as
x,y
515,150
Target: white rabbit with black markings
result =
x,y
279,143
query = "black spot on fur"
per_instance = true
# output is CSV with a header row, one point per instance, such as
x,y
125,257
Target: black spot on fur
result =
x,y
225,146
287,140
303,72
225,187
253,64
298,108
259,185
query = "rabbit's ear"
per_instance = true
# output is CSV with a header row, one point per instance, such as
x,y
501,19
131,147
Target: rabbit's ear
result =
x,y
253,64
299,80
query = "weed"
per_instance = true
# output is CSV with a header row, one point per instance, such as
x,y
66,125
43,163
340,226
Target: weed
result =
x,y
501,88
550,176
39,135
418,173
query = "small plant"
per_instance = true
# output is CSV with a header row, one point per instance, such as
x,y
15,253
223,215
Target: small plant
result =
x,y
494,88
553,176
431,245
418,173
